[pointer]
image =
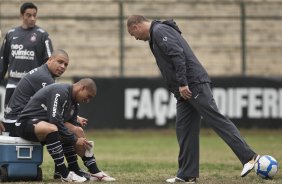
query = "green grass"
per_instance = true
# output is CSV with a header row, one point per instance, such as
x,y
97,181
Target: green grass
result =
x,y
150,156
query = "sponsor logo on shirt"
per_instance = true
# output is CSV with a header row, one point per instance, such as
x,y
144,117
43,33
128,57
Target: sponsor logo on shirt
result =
x,y
18,52
55,105
32,71
33,37
44,107
16,74
7,109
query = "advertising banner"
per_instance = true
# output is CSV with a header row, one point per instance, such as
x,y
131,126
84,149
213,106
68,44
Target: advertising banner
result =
x,y
146,103
130,103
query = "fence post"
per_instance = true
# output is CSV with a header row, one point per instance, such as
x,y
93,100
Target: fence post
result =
x,y
243,38
121,39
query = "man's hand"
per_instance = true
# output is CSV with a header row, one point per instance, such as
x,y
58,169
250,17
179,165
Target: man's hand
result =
x,y
83,142
2,128
82,121
185,92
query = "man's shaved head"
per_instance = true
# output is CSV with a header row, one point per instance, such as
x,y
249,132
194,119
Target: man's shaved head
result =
x,y
60,52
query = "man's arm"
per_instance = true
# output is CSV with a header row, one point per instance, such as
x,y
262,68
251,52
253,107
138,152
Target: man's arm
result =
x,y
4,56
167,40
82,121
185,92
76,119
2,128
48,47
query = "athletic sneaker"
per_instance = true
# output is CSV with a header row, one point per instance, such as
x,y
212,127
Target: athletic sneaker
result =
x,y
72,177
179,180
101,176
84,174
81,173
249,165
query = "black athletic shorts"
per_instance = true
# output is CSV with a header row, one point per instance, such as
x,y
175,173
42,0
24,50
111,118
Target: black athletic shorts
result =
x,y
26,129
9,93
11,128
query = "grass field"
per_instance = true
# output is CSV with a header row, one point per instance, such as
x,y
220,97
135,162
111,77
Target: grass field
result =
x,y
150,156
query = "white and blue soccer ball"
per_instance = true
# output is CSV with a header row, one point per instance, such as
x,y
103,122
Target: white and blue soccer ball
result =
x,y
266,167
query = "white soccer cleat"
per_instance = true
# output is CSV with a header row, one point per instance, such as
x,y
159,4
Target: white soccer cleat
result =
x,y
72,177
249,166
101,176
179,180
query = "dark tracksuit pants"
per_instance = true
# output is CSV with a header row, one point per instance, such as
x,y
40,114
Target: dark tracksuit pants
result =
x,y
188,118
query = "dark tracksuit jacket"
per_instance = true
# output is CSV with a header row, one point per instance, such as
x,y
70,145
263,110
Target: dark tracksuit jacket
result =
x,y
175,59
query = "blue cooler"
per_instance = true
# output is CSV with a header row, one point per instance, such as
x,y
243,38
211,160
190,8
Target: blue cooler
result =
x,y
20,159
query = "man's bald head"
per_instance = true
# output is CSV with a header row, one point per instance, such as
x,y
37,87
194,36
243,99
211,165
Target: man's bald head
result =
x,y
84,90
89,83
60,52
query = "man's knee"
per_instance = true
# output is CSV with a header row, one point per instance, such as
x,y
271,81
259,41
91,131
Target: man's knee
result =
x,y
52,128
78,131
46,127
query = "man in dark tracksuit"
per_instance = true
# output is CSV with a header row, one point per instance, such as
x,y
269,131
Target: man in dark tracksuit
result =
x,y
43,118
189,82
24,48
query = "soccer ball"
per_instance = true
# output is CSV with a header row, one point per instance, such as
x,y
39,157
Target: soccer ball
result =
x,y
266,167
